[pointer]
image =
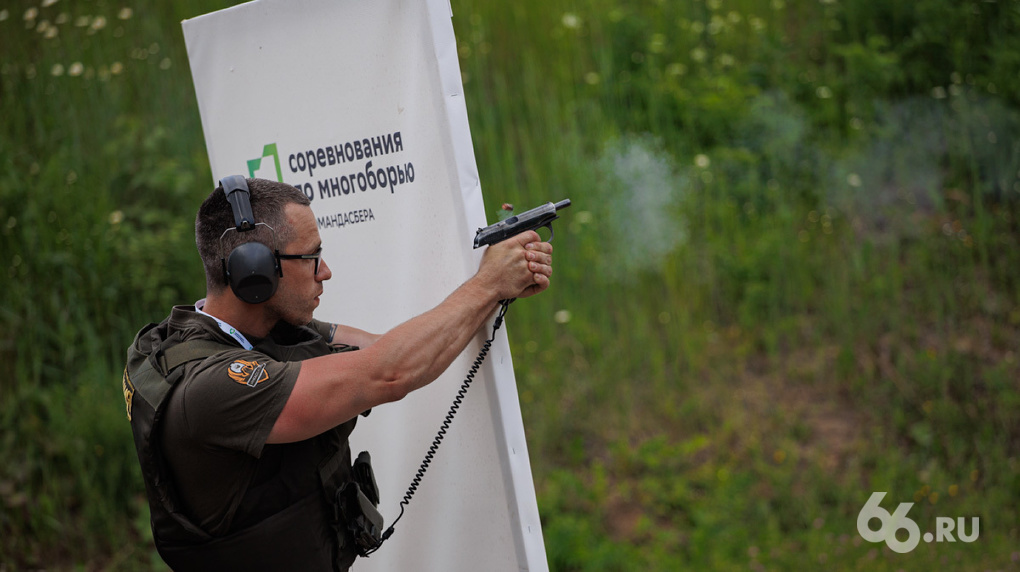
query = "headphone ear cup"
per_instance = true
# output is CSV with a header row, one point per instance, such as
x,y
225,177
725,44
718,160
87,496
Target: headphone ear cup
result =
x,y
252,272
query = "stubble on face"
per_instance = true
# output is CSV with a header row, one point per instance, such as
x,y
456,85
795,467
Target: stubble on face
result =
x,y
297,295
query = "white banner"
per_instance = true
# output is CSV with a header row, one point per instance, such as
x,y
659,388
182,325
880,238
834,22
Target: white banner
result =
x,y
360,104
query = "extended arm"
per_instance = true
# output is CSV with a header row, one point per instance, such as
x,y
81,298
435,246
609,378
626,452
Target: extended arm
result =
x,y
332,389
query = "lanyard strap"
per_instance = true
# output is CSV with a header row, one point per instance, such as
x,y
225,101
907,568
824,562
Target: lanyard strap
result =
x,y
229,330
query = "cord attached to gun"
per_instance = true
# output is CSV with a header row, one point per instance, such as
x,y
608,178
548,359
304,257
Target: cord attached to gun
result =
x,y
416,481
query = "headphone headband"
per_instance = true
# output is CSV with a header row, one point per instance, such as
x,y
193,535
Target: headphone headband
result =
x,y
244,218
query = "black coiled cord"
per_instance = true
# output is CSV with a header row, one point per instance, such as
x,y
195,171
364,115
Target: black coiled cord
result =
x,y
416,481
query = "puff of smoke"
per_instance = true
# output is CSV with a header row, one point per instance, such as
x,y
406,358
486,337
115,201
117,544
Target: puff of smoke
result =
x,y
638,195
916,151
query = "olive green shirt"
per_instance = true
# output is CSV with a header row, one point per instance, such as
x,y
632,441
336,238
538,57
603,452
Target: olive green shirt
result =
x,y
219,417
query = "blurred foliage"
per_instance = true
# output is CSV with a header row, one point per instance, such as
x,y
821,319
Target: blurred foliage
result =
x,y
796,234
103,164
789,277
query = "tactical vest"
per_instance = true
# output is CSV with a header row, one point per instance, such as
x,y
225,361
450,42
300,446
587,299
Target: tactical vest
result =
x,y
287,519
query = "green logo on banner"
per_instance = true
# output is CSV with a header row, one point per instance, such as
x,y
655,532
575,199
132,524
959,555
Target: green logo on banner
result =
x,y
268,151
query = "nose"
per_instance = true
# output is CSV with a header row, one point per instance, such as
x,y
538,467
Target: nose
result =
x,y
324,272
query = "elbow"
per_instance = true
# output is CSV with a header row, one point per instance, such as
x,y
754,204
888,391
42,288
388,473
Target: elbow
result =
x,y
395,391
395,386
391,389
393,379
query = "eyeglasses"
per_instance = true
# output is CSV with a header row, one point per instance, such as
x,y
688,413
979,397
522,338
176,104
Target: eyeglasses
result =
x,y
316,256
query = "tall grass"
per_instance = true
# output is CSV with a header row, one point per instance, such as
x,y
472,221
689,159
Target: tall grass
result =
x,y
788,282
103,162
789,277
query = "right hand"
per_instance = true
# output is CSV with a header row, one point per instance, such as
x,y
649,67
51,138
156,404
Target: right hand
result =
x,y
518,267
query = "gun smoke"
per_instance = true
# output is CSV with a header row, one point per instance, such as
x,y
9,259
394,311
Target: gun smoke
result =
x,y
639,203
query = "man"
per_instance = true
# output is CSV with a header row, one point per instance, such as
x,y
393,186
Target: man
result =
x,y
241,410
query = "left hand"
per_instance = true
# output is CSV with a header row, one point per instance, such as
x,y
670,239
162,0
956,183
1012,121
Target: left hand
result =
x,y
518,267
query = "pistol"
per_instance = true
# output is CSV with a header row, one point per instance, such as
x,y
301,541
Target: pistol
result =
x,y
534,219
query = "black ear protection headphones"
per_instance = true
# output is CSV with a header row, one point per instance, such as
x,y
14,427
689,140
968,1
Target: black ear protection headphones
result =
x,y
252,270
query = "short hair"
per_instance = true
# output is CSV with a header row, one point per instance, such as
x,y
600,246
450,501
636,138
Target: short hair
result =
x,y
268,201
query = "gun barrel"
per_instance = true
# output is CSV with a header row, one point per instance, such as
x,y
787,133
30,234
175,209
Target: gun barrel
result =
x,y
562,204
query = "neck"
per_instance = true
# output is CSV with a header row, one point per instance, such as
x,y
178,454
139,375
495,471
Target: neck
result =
x,y
250,319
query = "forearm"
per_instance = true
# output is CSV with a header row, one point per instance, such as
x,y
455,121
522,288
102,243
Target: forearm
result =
x,y
418,351
421,349
334,388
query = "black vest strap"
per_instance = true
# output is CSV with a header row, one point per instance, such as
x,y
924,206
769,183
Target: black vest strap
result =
x,y
176,355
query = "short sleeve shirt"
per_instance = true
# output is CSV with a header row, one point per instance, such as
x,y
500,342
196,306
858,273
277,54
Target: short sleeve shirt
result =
x,y
218,420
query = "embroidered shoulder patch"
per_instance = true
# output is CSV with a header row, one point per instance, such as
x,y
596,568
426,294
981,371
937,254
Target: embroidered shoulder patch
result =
x,y
250,373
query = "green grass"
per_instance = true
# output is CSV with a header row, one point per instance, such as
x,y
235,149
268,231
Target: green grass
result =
x,y
788,278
